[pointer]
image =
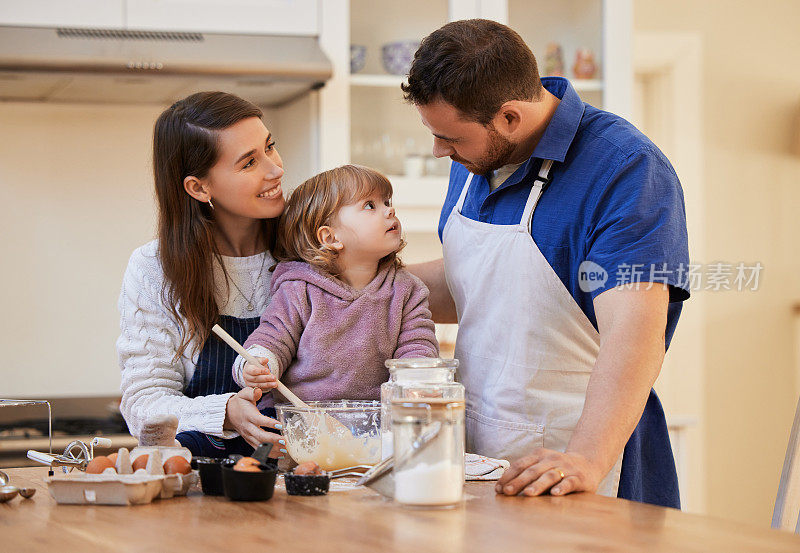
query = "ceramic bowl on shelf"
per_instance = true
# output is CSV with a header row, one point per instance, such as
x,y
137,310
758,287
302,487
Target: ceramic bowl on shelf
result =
x,y
358,57
397,56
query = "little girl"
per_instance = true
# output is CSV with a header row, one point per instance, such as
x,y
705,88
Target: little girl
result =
x,y
341,302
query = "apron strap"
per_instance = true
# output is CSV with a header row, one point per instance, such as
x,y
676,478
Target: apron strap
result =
x,y
536,192
460,202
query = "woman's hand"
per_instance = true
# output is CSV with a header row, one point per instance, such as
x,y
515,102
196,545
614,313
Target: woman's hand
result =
x,y
242,415
259,376
545,469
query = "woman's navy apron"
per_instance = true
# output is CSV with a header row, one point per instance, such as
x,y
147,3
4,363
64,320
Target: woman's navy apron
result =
x,y
213,375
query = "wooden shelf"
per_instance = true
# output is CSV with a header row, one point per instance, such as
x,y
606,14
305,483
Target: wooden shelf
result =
x,y
587,85
387,81
394,81
418,192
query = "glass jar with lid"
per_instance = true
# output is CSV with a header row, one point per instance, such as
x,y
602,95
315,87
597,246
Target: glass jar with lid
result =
x,y
416,378
429,451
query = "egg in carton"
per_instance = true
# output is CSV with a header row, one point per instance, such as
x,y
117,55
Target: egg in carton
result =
x,y
159,453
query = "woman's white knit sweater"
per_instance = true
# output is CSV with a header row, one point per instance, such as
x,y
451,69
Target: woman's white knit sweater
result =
x,y
152,383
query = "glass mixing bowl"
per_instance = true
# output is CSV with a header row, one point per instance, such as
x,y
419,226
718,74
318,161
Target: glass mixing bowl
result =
x,y
352,438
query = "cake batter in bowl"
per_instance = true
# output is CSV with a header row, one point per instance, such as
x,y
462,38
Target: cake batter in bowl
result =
x,y
310,436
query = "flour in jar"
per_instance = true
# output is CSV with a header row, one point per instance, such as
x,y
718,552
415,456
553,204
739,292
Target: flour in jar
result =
x,y
439,483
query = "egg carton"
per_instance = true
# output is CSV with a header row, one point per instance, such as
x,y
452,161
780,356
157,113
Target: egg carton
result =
x,y
105,488
110,488
121,485
176,485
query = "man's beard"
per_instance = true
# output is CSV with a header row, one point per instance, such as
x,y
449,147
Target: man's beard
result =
x,y
498,152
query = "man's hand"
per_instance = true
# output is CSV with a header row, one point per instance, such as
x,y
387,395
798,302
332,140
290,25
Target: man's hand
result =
x,y
631,325
547,470
259,376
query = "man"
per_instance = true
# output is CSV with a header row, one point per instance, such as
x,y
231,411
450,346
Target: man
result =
x,y
560,337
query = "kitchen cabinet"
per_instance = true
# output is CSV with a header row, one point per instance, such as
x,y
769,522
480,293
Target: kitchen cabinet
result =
x,y
271,17
109,14
275,17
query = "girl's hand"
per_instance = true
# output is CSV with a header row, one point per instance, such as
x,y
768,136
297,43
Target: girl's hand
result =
x,y
242,415
259,376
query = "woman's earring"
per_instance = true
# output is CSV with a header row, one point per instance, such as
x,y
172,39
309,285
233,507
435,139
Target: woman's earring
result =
x,y
210,204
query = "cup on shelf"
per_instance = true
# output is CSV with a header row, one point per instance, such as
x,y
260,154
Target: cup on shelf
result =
x,y
585,66
358,57
554,60
397,56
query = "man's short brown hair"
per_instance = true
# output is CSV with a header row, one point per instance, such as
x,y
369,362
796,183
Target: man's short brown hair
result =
x,y
476,65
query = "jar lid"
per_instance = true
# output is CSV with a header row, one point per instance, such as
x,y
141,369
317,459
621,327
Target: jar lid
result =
x,y
421,363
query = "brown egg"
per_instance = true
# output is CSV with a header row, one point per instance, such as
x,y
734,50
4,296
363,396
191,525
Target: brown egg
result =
x,y
99,464
246,468
247,464
140,462
113,457
309,467
177,464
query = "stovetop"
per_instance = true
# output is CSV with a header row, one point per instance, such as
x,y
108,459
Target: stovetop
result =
x,y
71,417
37,428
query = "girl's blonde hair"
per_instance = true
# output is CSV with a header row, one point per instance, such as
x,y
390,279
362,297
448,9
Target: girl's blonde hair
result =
x,y
315,203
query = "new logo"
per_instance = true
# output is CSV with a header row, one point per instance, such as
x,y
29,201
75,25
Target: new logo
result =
x,y
591,276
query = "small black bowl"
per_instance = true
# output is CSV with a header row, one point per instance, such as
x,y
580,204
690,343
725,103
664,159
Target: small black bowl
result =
x,y
248,486
211,474
307,484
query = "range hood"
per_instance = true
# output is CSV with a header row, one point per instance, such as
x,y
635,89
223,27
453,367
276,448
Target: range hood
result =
x,y
120,66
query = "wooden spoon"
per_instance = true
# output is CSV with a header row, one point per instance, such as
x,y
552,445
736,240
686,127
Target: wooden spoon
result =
x,y
332,424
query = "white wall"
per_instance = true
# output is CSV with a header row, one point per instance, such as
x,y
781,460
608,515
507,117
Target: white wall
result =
x,y
77,191
77,199
751,93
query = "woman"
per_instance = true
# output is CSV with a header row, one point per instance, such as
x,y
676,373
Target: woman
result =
x,y
218,183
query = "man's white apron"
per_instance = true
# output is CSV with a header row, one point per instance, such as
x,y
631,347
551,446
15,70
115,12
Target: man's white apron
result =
x,y
526,348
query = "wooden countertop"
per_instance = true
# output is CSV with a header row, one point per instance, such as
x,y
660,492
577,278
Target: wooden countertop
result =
x,y
360,520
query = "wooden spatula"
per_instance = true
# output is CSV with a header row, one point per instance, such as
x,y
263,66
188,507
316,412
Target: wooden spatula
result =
x,y
287,393
332,424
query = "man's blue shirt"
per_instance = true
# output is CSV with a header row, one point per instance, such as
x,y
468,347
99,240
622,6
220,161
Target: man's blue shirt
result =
x,y
614,200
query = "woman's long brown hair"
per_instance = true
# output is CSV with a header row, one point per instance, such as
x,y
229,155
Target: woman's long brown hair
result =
x,y
185,144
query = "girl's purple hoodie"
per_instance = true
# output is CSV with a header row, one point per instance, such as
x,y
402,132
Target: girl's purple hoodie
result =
x,y
326,340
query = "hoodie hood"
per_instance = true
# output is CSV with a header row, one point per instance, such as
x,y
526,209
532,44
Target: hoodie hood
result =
x,y
288,271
